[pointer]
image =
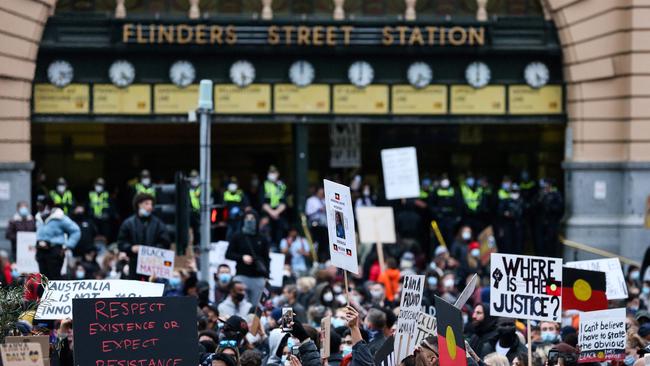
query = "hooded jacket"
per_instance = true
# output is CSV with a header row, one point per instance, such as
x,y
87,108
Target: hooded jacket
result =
x,y
254,245
275,339
55,228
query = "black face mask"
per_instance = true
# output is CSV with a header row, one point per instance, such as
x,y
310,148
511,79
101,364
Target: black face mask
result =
x,y
506,334
238,297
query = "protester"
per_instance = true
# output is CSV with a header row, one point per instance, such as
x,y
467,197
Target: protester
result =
x,y
235,303
56,233
482,329
298,250
22,220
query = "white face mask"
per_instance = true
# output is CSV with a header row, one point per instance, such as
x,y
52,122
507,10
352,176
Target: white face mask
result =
x,y
444,183
272,177
475,252
515,196
232,187
194,182
449,283
328,297
60,188
99,188
146,181
466,235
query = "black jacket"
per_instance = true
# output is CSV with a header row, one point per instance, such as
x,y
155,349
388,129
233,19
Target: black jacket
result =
x,y
309,354
361,355
517,348
136,231
255,246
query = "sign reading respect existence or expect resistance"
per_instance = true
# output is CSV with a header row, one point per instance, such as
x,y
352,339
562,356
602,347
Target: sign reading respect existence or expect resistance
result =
x,y
526,287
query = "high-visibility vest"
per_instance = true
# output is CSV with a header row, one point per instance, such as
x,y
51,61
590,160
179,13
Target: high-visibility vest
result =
x,y
472,198
140,188
527,185
274,192
445,192
98,202
503,194
424,194
64,200
230,197
195,198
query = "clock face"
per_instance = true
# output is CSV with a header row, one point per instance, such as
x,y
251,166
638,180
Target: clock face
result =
x,y
477,74
536,74
122,73
419,74
242,73
182,73
301,73
361,74
60,73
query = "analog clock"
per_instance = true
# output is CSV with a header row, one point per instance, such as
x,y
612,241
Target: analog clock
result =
x,y
182,73
536,74
361,74
419,74
301,73
122,73
242,73
60,73
477,74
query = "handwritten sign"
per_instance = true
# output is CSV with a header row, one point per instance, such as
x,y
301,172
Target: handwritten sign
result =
x,y
26,252
72,99
616,287
43,341
602,335
109,99
156,262
171,99
525,287
487,100
253,99
425,326
428,100
409,310
312,99
401,176
340,226
143,331
21,354
56,302
373,99
522,99
376,225
345,145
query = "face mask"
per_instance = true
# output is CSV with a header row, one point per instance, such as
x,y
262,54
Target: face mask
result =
x,y
174,282
143,212
465,318
146,181
60,188
366,192
341,299
194,182
629,360
248,227
232,187
328,297
549,337
283,359
272,177
635,275
466,235
338,322
239,297
23,211
346,349
377,294
633,309
646,290
514,196
14,273
505,185
470,181
224,278
80,274
433,266
99,188
448,283
475,252
444,183
357,299
432,282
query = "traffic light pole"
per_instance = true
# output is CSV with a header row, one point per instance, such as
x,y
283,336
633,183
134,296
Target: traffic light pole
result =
x,y
205,118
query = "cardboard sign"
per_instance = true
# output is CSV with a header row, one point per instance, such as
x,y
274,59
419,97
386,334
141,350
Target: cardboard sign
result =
x,y
277,269
401,176
43,341
216,257
451,344
142,331
26,252
376,225
425,326
616,287
386,354
155,262
340,226
409,309
325,334
526,287
56,302
601,336
345,145
21,354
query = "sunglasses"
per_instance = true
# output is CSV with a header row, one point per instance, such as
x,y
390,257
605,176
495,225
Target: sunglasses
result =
x,y
228,343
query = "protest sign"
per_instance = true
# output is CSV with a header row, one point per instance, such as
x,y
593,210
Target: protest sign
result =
x,y
22,354
386,354
26,252
409,308
325,334
156,262
345,145
56,302
525,287
601,336
217,257
401,177
44,341
376,225
425,326
451,345
277,269
616,287
340,226
142,331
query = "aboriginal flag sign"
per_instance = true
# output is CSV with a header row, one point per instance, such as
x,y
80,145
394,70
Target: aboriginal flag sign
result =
x,y
583,290
450,334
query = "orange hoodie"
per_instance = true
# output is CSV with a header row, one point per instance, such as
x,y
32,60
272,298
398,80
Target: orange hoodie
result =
x,y
390,280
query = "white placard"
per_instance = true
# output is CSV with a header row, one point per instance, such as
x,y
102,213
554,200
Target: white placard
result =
x,y
5,190
345,145
601,336
616,287
277,269
22,354
217,257
409,310
26,252
156,262
600,190
56,302
526,287
340,226
376,225
426,325
401,177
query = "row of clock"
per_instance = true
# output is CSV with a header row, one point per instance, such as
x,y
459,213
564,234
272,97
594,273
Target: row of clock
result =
x,y
301,73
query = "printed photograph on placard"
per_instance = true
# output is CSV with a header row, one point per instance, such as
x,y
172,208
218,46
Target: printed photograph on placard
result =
x,y
340,225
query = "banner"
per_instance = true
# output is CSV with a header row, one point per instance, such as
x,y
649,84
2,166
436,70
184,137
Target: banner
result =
x,y
340,226
155,262
277,269
601,336
21,354
143,331
616,287
386,354
425,326
345,145
56,302
451,344
401,176
409,309
526,287
26,252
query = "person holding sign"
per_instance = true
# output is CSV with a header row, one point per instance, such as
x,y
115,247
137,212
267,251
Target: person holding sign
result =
x,y
141,228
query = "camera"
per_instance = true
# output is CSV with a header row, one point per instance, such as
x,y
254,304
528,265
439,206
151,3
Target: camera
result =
x,y
568,358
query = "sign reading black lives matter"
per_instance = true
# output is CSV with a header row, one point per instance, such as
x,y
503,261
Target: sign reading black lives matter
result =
x,y
144,331
526,287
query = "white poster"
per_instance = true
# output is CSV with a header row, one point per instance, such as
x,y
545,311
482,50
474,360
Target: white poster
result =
x,y
616,287
376,225
22,354
217,257
26,252
345,145
601,336
526,287
409,311
401,177
277,269
56,302
340,226
5,191
155,262
426,325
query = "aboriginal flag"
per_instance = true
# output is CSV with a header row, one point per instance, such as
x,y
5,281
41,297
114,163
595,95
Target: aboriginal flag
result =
x,y
583,290
450,334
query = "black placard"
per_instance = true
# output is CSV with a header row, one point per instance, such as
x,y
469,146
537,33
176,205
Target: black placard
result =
x,y
385,356
144,331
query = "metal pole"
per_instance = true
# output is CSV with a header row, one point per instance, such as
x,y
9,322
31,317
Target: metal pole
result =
x,y
205,112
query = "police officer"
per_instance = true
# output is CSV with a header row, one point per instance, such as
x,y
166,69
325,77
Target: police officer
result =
x,y
195,204
100,208
510,232
446,207
145,185
236,203
62,197
549,209
473,203
274,204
